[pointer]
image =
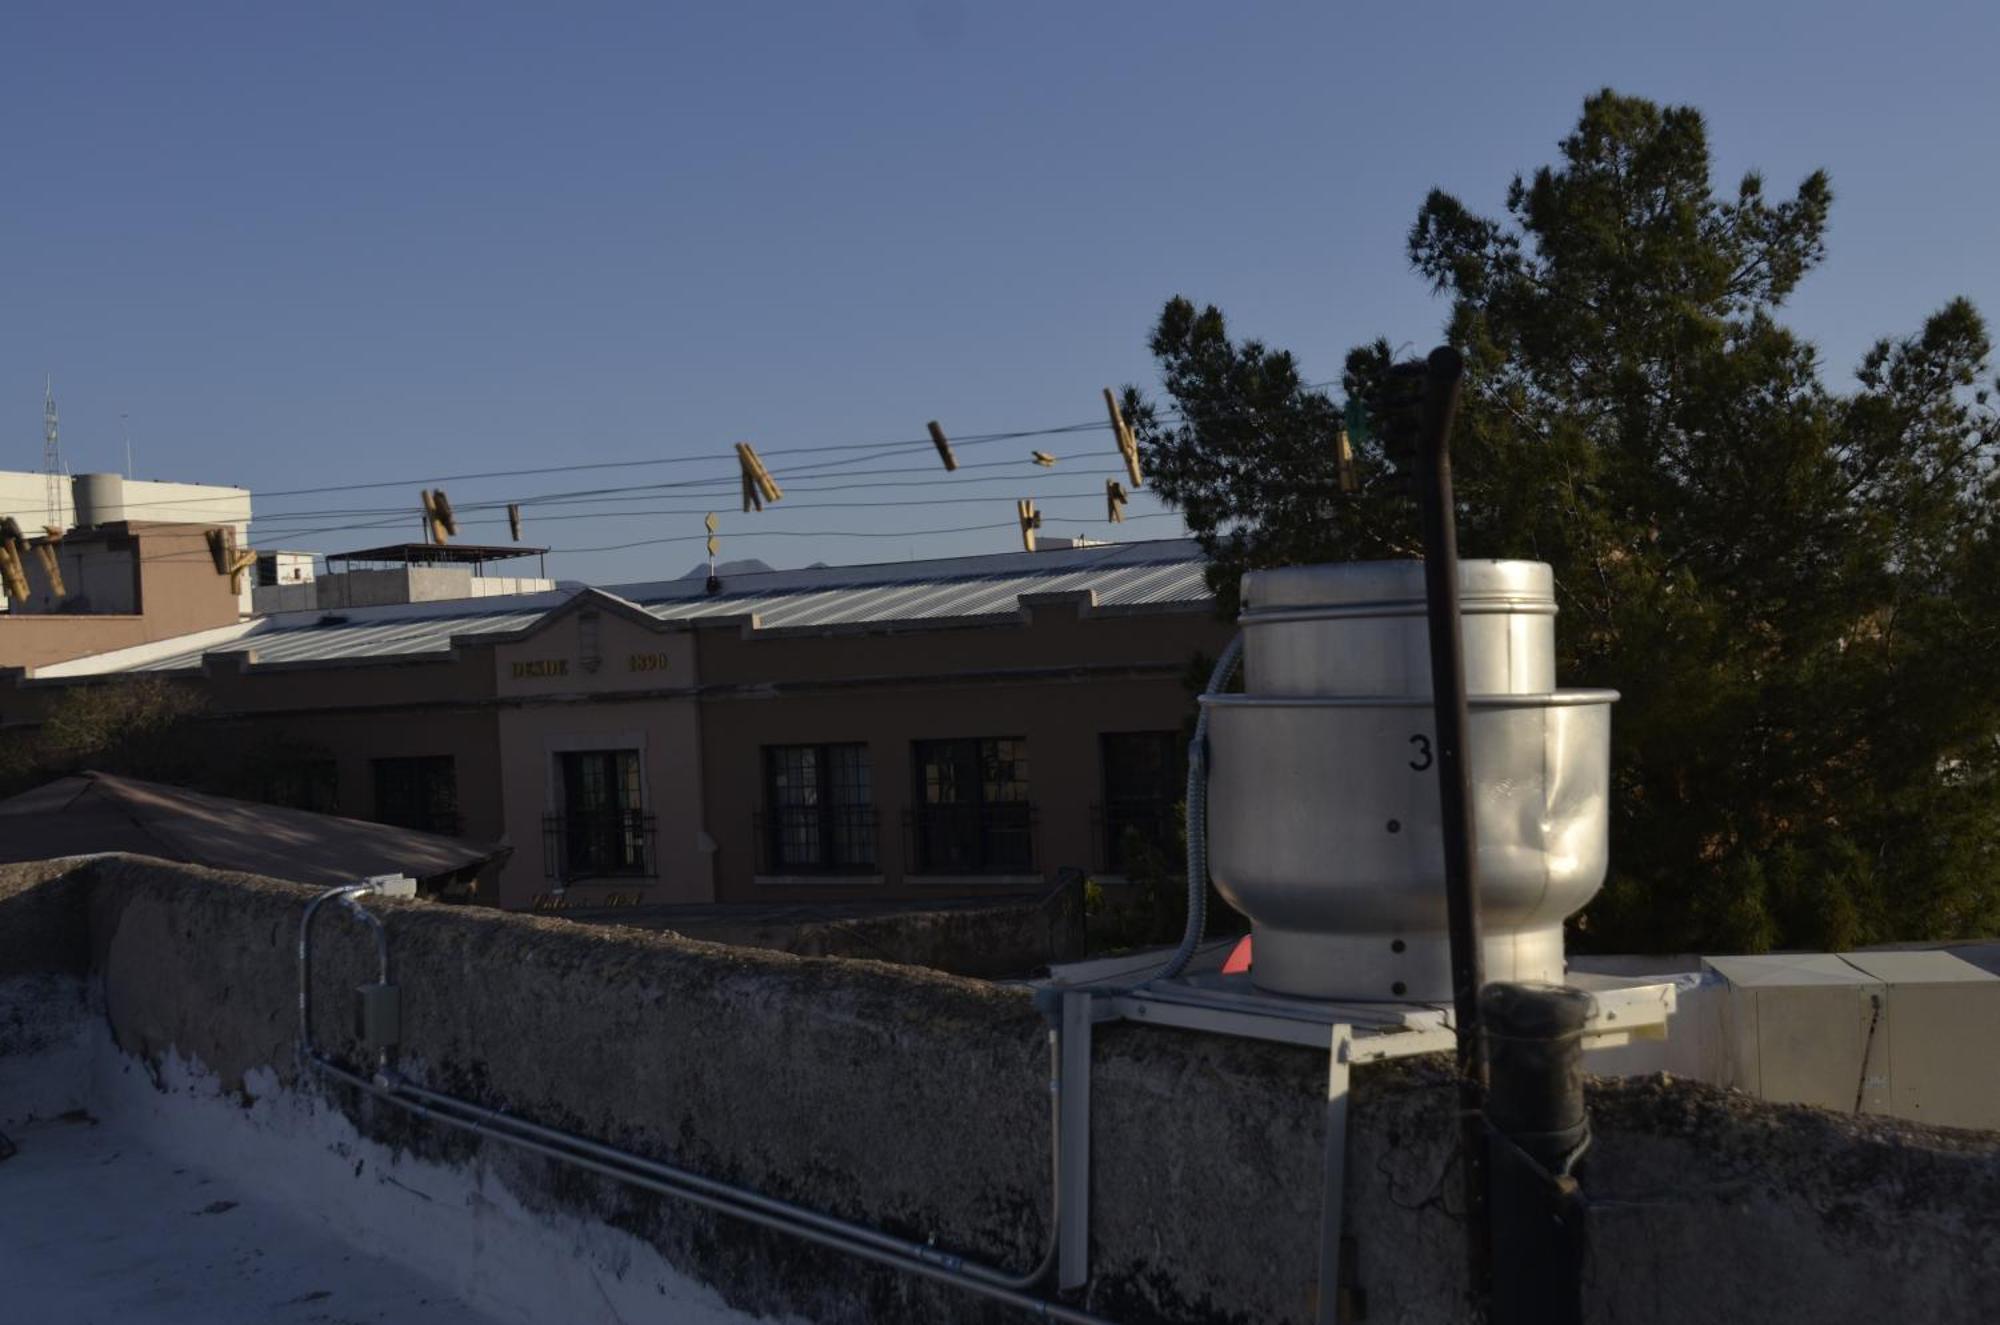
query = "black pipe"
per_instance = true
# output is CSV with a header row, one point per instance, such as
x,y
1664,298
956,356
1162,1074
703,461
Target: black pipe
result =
x,y
1442,374
1534,1104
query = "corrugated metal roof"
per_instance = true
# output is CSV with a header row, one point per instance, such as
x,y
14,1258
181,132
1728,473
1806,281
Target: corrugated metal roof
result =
x,y
92,812
1121,575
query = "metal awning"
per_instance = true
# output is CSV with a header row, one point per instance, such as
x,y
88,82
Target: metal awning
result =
x,y
438,554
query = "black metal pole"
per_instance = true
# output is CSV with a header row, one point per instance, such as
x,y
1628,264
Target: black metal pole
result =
x,y
1442,375
1534,1104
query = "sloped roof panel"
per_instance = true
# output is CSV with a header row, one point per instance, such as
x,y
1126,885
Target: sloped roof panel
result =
x,y
1120,575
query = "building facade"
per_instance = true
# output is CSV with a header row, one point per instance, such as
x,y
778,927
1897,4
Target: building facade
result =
x,y
888,732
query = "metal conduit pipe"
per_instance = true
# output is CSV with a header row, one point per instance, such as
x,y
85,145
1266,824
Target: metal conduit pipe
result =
x,y
826,1230
347,893
913,1258
728,1191
1197,820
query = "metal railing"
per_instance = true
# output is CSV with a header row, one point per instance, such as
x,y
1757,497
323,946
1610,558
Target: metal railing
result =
x,y
599,844
993,838
817,839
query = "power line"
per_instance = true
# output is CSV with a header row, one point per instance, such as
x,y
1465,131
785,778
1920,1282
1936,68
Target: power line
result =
x,y
1032,473
874,450
810,533
201,555
871,450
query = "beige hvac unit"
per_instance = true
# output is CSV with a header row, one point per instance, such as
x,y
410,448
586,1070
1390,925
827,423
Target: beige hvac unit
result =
x,y
1910,1034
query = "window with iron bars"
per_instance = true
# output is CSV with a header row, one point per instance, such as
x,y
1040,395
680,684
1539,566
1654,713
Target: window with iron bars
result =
x,y
418,792
971,811
302,784
1145,781
819,812
602,830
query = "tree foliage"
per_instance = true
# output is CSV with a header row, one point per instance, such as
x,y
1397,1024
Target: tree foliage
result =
x,y
1794,586
140,726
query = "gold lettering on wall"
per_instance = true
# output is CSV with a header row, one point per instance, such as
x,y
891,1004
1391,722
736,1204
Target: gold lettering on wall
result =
x,y
541,667
565,902
646,662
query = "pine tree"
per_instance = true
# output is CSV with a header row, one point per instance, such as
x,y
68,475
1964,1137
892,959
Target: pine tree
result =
x,y
1794,587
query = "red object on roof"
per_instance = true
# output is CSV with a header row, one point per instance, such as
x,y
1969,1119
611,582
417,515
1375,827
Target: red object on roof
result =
x,y
1239,957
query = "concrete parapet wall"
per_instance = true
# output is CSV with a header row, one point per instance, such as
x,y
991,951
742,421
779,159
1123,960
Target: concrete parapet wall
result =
x,y
918,1102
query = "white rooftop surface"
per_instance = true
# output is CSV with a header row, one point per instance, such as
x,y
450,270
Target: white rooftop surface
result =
x,y
1919,968
153,1194
1787,968
1117,575
94,1227
1912,966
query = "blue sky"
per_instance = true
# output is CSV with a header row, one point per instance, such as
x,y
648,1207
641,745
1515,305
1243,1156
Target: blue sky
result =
x,y
299,246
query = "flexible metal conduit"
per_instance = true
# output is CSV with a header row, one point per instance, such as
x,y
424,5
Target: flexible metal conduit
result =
x,y
1197,819
669,1180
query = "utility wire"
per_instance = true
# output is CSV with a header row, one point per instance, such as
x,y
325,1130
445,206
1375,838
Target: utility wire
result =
x,y
809,533
199,555
403,517
872,450
922,445
1034,473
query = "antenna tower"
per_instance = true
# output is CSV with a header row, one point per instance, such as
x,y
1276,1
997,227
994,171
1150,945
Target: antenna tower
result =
x,y
52,455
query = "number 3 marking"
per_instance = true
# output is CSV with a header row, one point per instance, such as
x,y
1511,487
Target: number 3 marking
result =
x,y
1423,759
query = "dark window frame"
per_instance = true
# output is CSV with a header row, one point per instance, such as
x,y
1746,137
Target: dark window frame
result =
x,y
302,784
970,807
600,828
417,791
819,809
1141,790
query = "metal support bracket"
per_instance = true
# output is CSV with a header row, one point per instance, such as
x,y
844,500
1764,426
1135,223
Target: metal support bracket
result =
x,y
1073,1204
1352,1033
1333,1176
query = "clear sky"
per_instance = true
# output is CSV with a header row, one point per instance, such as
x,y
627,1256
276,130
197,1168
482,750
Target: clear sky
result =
x,y
295,246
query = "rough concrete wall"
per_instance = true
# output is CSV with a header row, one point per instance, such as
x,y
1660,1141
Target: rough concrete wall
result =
x,y
44,926
1783,1212
918,1102
1013,939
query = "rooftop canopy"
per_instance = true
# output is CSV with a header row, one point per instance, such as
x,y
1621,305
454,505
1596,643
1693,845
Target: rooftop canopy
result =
x,y
437,554
92,812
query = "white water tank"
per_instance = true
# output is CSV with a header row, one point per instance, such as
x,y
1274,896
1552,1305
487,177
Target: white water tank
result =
x,y
99,499
1323,794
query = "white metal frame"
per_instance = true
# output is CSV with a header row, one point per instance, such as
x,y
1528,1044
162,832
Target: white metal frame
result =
x,y
1352,1034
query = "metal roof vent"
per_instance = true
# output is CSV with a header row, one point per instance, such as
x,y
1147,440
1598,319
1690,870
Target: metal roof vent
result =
x,y
1323,811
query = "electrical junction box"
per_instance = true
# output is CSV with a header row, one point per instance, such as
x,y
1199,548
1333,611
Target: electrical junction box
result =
x,y
378,1016
393,885
1907,1034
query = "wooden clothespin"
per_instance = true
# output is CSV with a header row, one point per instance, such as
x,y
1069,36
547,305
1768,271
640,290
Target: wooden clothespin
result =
x,y
1128,446
228,560
714,584
12,576
758,485
439,522
943,445
1345,452
51,561
1114,501
1042,458
1031,520
514,520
